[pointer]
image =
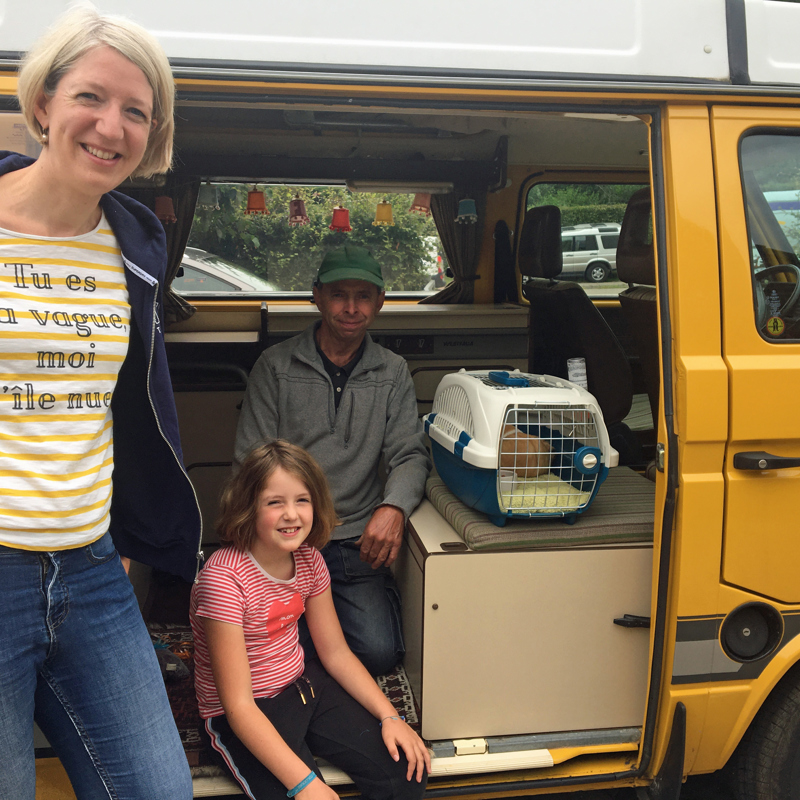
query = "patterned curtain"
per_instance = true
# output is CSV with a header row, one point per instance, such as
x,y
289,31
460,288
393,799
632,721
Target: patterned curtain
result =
x,y
461,243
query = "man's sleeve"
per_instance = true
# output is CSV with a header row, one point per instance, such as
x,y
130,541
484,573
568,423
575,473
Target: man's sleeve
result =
x,y
258,421
404,453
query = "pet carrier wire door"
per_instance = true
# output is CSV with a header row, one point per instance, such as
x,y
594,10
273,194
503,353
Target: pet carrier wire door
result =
x,y
519,445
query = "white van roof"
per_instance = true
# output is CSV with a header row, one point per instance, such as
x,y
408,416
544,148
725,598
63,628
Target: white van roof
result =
x,y
663,41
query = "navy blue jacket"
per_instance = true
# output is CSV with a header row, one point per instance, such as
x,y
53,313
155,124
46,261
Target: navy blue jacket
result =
x,y
154,513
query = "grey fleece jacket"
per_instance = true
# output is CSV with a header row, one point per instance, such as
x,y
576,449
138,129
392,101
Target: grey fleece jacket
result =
x,y
290,396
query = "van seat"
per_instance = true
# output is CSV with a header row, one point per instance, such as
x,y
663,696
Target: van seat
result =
x,y
564,324
622,512
636,267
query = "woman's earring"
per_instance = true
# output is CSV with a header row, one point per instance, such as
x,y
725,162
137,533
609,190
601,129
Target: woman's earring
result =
x,y
44,136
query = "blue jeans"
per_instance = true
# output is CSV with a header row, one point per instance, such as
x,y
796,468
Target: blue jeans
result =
x,y
368,606
75,656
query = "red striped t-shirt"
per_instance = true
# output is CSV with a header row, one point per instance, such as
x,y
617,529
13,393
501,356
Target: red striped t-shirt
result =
x,y
232,587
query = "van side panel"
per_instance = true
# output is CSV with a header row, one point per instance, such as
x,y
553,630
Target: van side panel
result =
x,y
700,382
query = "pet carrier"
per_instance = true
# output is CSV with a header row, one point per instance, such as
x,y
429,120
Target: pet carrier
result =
x,y
519,445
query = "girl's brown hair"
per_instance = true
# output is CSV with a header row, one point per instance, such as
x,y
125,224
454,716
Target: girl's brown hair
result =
x,y
236,524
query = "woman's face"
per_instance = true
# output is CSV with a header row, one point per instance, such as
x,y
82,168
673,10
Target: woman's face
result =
x,y
98,122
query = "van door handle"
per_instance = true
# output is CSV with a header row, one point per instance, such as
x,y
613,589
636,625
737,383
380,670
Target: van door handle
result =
x,y
632,621
760,460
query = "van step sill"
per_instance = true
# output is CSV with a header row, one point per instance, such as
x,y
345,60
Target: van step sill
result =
x,y
547,741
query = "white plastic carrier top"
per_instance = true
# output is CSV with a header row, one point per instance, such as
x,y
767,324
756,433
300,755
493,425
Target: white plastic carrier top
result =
x,y
742,42
471,409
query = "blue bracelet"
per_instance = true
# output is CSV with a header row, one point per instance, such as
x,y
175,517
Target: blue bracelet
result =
x,y
302,785
380,724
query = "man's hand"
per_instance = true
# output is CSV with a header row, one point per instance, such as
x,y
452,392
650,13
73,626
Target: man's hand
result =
x,y
382,537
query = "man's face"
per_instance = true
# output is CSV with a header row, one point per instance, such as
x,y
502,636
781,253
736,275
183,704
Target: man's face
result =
x,y
348,308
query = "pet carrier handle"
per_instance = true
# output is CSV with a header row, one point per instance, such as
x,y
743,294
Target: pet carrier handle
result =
x,y
760,460
506,379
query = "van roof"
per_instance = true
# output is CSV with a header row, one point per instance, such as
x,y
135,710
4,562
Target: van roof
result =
x,y
602,43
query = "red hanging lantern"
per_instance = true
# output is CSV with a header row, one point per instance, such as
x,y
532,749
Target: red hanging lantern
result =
x,y
297,212
341,220
256,202
165,210
421,204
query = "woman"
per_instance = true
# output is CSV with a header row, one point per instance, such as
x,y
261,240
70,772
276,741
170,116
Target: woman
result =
x,y
84,392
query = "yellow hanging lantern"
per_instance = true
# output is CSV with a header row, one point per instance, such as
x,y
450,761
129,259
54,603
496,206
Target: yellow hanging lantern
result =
x,y
383,214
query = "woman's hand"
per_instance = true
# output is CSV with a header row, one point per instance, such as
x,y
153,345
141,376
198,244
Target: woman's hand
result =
x,y
396,732
317,790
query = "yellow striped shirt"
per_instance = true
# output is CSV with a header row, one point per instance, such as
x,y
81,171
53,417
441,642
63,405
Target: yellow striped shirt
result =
x,y
64,328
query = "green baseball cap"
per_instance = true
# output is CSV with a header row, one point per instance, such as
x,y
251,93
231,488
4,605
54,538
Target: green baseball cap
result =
x,y
350,263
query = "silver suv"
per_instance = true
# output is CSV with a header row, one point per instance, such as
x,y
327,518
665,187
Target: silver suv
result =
x,y
589,251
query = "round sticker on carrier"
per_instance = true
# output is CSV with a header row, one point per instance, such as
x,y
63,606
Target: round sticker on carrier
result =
x,y
775,326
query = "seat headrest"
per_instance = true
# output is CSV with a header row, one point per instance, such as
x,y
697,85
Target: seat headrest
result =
x,y
635,252
539,254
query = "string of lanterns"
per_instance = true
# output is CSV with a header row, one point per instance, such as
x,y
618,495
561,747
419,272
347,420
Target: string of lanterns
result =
x,y
208,199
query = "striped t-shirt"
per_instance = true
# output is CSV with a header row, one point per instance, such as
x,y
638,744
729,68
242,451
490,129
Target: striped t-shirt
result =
x,y
64,328
233,587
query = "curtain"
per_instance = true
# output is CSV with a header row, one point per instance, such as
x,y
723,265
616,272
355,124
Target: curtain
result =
x,y
183,192
461,243
505,277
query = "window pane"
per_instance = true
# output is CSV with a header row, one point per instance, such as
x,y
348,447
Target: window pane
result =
x,y
771,176
193,280
285,258
592,213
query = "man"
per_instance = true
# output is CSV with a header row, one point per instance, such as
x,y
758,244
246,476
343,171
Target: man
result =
x,y
352,405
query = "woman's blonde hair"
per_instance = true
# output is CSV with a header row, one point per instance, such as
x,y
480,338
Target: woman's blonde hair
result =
x,y
236,524
74,34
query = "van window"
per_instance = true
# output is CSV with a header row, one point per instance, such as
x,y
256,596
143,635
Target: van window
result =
x,y
771,176
592,212
270,255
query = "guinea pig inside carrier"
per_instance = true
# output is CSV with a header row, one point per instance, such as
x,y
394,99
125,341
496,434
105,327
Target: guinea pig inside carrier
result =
x,y
519,445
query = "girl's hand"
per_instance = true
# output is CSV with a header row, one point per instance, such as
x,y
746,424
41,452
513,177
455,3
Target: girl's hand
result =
x,y
396,732
317,790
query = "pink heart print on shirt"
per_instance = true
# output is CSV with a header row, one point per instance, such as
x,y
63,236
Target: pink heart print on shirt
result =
x,y
281,615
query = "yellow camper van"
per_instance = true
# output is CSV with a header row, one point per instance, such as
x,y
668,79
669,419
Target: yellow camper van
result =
x,y
659,636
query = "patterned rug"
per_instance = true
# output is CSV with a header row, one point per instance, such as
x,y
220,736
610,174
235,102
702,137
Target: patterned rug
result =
x,y
182,699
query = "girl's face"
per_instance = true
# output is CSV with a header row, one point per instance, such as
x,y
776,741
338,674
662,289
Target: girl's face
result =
x,y
284,516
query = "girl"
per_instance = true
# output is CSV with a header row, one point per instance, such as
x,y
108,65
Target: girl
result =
x,y
265,709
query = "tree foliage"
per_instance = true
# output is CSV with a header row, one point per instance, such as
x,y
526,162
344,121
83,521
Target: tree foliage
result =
x,y
582,203
290,256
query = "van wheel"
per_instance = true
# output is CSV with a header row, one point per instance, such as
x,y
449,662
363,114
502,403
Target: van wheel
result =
x,y
767,761
597,272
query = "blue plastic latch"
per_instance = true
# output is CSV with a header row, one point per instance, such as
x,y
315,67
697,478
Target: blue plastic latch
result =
x,y
429,419
506,379
588,460
463,440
